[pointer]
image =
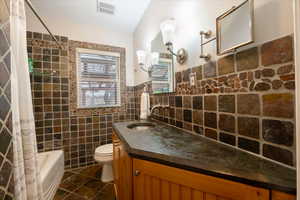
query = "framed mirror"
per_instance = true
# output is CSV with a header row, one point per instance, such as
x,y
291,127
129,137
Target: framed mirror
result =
x,y
162,74
235,28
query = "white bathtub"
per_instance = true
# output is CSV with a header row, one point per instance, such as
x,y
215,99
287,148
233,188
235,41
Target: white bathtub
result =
x,y
51,166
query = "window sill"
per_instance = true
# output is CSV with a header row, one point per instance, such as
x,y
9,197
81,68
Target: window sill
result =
x,y
92,107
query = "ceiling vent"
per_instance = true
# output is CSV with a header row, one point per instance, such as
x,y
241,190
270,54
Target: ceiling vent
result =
x,y
105,8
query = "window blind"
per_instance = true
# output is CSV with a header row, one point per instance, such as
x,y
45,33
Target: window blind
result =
x,y
98,77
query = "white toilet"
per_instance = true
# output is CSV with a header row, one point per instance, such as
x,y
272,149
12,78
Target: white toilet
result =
x,y
104,156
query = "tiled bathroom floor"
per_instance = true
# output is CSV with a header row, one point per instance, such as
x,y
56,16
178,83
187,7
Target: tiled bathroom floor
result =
x,y
84,184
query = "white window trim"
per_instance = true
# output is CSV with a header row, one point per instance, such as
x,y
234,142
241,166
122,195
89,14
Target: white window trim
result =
x,y
106,53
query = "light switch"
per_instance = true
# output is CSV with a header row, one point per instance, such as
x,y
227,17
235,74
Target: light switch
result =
x,y
193,79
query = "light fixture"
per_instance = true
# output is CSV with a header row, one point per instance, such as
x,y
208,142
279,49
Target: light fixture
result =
x,y
147,60
168,28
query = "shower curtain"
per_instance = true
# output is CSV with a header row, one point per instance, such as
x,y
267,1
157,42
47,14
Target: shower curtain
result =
x,y
26,172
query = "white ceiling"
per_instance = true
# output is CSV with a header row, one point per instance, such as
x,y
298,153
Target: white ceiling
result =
x,y
127,12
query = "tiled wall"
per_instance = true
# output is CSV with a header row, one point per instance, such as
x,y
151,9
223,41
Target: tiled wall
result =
x,y
245,100
57,125
6,147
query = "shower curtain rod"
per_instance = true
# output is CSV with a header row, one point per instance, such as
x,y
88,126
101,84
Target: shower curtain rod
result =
x,y
41,20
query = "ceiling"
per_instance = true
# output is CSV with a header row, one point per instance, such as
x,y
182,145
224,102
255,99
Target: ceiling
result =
x,y
127,12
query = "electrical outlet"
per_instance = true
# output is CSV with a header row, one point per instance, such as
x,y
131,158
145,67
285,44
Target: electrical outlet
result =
x,y
193,79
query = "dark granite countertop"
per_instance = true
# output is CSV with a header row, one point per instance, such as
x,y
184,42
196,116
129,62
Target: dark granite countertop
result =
x,y
171,146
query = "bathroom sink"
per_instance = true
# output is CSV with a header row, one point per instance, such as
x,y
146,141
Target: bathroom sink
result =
x,y
141,126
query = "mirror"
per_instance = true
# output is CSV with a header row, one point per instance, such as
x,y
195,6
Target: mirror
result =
x,y
235,28
162,75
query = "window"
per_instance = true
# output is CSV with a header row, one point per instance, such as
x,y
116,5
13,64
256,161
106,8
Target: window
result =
x,y
98,79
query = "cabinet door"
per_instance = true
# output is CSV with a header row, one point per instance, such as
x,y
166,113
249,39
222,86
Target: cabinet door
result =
x,y
154,181
282,196
122,165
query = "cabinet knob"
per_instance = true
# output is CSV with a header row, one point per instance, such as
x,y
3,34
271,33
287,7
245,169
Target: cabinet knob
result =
x,y
137,173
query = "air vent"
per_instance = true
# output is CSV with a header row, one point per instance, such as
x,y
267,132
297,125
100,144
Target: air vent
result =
x,y
105,8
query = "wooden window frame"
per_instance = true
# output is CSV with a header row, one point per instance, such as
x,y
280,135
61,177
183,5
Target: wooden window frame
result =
x,y
74,110
78,62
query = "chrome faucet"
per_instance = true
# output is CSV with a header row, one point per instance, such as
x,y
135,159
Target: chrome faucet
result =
x,y
158,106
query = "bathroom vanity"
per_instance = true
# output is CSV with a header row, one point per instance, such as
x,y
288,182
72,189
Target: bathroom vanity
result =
x,y
159,162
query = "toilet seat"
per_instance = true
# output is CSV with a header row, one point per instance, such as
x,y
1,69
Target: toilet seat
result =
x,y
104,151
104,160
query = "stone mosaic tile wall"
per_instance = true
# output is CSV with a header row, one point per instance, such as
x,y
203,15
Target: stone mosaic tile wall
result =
x,y
245,100
6,147
57,125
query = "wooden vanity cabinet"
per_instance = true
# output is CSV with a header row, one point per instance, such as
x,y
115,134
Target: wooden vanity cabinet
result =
x,y
137,179
276,195
154,181
122,168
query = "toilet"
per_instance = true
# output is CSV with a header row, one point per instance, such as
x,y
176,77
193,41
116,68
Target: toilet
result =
x,y
104,156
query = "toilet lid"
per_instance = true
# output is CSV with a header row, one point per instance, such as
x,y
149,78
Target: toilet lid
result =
x,y
104,150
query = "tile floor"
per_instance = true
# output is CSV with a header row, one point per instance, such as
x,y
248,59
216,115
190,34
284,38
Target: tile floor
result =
x,y
84,184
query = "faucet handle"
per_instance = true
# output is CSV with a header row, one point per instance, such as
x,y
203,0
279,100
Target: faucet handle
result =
x,y
166,106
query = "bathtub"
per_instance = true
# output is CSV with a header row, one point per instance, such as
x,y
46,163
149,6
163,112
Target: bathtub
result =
x,y
51,165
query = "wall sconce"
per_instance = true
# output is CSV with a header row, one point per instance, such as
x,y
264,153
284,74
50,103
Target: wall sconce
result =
x,y
168,28
144,58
